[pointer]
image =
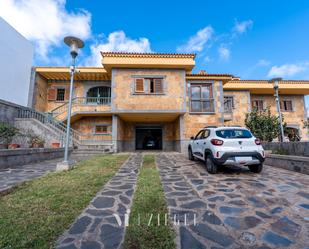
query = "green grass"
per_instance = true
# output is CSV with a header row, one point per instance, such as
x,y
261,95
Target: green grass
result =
x,y
149,199
37,212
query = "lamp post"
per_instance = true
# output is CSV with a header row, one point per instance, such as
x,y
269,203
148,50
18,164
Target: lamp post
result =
x,y
275,82
75,44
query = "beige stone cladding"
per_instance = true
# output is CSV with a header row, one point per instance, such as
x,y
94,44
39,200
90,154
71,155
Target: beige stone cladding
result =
x,y
125,98
40,91
293,118
194,122
242,106
86,127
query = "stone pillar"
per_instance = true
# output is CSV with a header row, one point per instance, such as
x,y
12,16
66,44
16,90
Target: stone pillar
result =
x,y
183,142
115,132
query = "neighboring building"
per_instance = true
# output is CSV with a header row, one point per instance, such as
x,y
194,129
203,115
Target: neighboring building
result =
x,y
149,100
16,54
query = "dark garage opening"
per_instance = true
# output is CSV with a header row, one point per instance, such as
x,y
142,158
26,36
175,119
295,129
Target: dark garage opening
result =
x,y
149,138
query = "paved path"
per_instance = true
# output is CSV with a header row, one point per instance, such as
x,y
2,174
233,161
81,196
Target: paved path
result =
x,y
16,175
235,208
97,227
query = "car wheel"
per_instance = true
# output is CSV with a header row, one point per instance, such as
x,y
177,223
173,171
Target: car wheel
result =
x,y
191,157
211,167
256,168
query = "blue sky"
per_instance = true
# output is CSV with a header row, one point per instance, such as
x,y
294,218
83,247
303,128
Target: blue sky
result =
x,y
250,39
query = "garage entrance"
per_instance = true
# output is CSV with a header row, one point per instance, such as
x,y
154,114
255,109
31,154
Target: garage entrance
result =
x,y
148,138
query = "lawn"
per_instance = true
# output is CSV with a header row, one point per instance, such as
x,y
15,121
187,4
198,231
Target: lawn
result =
x,y
37,212
143,232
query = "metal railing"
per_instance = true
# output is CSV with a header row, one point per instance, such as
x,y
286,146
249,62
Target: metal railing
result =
x,y
47,120
81,101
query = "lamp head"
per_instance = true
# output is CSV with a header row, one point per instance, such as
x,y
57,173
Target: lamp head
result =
x,y
74,43
275,82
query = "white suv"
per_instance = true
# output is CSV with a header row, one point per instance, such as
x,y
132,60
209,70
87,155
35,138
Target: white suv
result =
x,y
227,146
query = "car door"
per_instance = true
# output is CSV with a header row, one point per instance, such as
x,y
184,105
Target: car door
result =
x,y
197,142
204,141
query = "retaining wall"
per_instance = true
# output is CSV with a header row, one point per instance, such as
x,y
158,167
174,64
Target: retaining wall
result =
x,y
12,158
288,148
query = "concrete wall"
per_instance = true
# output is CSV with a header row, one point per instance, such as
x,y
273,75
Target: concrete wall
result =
x,y
289,148
15,64
12,158
8,111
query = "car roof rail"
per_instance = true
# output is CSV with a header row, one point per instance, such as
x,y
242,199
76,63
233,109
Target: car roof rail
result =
x,y
211,126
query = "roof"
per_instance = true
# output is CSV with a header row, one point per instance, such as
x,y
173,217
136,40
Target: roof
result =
x,y
63,73
147,55
264,87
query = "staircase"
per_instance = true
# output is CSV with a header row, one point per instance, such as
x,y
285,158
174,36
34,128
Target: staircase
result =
x,y
78,140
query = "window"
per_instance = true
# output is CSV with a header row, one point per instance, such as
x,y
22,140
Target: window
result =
x,y
258,105
101,129
201,98
286,105
233,133
206,134
60,94
149,85
200,135
228,103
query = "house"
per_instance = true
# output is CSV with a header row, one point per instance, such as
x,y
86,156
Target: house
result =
x,y
153,100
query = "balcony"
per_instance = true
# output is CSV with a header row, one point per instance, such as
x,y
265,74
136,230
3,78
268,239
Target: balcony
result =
x,y
83,105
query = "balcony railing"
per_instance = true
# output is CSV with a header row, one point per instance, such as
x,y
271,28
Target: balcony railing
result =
x,y
82,101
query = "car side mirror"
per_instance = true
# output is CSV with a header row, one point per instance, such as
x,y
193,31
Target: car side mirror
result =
x,y
192,138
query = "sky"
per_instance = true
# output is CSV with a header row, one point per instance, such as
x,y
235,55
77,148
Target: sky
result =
x,y
250,39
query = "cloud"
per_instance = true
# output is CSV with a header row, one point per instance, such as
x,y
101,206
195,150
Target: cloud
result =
x,y
45,22
224,53
287,70
117,42
242,27
262,63
197,42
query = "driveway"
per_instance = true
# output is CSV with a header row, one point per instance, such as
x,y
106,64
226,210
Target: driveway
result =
x,y
235,208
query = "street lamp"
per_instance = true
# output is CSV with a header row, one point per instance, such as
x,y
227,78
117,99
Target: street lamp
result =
x,y
75,44
275,82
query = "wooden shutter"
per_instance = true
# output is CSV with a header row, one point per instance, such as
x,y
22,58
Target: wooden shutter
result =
x,y
51,93
139,85
281,105
158,86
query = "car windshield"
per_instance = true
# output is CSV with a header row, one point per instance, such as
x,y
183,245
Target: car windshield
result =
x,y
233,133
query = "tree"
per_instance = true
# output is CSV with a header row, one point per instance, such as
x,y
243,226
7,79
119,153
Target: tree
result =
x,y
263,124
306,123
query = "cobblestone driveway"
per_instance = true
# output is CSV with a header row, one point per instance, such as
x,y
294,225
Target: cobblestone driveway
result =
x,y
235,208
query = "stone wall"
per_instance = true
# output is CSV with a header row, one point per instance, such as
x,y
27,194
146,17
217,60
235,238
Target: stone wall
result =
x,y
288,148
293,118
125,98
12,158
293,163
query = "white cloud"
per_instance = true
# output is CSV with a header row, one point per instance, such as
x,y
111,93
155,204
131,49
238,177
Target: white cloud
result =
x,y
117,42
45,22
242,27
262,63
287,70
224,53
197,42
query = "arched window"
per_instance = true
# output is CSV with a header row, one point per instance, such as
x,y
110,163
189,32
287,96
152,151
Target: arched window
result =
x,y
99,95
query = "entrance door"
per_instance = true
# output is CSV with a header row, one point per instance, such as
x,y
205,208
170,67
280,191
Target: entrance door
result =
x,y
148,138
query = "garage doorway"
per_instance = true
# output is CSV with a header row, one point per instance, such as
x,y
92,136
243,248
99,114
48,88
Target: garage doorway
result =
x,y
148,138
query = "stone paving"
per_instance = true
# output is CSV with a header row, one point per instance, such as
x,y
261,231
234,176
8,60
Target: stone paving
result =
x,y
98,227
14,176
235,208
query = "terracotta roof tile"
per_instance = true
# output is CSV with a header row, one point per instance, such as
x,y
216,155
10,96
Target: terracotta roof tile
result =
x,y
155,55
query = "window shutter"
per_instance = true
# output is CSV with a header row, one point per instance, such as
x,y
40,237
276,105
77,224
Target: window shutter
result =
x,y
158,87
281,105
51,94
66,93
139,85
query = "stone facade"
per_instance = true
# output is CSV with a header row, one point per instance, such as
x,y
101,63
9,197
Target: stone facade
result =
x,y
169,109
